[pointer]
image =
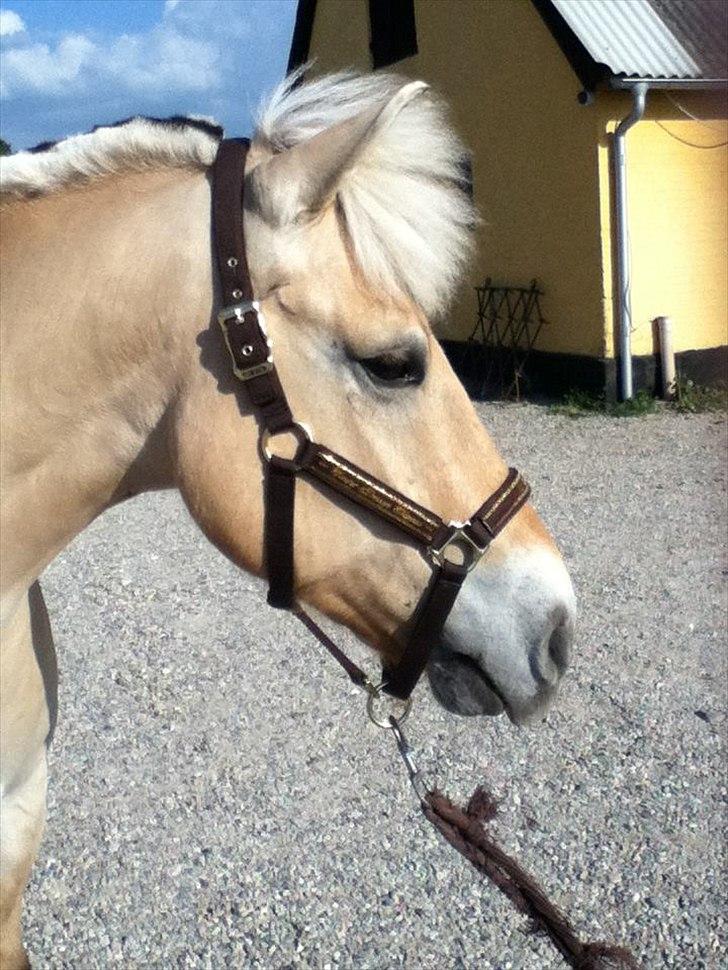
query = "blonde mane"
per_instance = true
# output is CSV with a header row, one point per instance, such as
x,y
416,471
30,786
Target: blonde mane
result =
x,y
135,145
409,221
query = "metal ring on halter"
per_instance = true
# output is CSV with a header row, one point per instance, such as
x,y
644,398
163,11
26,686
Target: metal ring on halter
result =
x,y
467,551
384,720
300,432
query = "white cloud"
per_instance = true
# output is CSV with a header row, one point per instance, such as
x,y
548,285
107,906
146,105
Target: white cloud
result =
x,y
190,49
10,23
159,61
225,20
165,60
212,57
38,68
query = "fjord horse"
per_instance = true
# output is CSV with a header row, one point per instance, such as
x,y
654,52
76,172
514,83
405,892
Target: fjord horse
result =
x,y
115,381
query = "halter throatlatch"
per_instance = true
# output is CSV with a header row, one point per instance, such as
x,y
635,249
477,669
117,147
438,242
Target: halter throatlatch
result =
x,y
452,548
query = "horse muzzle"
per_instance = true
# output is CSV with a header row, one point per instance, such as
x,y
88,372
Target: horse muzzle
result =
x,y
507,642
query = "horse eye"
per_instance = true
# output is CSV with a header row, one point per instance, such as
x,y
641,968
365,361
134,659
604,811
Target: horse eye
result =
x,y
395,367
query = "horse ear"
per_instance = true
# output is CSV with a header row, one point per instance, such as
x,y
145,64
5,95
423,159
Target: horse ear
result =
x,y
304,179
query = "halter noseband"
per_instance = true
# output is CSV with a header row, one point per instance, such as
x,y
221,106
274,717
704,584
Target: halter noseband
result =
x,y
453,548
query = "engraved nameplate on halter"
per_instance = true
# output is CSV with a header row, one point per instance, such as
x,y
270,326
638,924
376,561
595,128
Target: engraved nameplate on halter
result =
x,y
351,481
234,316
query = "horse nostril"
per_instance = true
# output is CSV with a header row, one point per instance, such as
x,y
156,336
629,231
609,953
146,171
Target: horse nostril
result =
x,y
560,644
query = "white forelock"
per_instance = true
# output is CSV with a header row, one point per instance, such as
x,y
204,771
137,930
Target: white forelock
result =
x,y
409,221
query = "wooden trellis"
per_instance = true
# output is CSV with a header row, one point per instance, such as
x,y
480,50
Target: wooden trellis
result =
x,y
509,322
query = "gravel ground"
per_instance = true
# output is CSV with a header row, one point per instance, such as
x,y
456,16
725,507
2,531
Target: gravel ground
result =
x,y
218,800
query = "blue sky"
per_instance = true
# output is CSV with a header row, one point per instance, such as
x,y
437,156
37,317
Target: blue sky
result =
x,y
67,65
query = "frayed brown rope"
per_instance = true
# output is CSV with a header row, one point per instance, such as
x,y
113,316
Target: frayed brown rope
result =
x,y
465,831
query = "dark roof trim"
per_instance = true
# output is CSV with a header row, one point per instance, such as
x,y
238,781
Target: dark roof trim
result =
x,y
586,69
302,32
392,30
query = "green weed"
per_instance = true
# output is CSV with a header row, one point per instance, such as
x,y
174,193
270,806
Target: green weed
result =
x,y
692,398
642,403
689,398
578,404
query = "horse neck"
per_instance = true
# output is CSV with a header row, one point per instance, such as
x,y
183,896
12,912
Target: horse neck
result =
x,y
105,289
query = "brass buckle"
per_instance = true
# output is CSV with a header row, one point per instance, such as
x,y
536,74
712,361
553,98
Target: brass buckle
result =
x,y
458,538
237,311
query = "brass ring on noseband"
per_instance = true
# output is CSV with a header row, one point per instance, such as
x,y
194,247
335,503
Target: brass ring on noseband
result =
x,y
384,721
300,432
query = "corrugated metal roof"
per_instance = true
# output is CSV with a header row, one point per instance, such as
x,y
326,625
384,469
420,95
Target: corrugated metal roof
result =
x,y
702,27
658,39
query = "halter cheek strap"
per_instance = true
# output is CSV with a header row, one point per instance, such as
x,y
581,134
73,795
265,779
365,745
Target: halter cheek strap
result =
x,y
453,548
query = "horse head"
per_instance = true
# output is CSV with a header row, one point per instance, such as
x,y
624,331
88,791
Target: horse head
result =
x,y
357,230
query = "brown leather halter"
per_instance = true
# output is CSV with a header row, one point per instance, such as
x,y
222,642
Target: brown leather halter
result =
x,y
452,548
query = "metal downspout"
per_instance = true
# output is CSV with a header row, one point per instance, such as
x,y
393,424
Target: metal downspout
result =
x,y
624,296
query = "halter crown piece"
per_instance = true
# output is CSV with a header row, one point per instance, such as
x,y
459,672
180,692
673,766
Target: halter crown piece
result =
x,y
452,548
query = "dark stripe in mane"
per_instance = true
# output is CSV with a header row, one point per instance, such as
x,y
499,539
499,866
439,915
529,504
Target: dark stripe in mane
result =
x,y
44,146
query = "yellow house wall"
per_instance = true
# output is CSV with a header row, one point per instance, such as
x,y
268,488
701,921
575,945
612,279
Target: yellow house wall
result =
x,y
535,151
542,177
678,217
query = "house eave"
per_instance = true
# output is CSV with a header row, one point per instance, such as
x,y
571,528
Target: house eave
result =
x,y
622,83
